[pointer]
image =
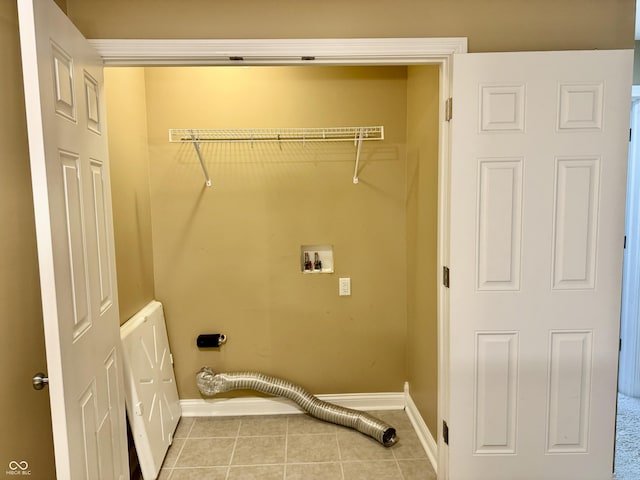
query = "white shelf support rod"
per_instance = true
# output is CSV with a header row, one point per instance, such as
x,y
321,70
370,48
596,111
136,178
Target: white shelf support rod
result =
x,y
358,143
196,145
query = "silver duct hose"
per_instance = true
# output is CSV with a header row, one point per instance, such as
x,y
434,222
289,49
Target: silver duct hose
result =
x,y
210,383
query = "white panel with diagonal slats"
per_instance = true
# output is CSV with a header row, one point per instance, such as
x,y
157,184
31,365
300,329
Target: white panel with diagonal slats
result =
x,y
151,394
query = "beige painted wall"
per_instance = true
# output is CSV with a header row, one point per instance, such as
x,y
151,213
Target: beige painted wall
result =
x,y
128,153
422,240
496,25
25,422
227,258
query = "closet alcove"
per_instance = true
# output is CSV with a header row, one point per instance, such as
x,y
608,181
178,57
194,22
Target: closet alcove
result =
x,y
227,258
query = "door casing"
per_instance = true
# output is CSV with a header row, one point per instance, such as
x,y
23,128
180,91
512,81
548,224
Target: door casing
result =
x,y
346,52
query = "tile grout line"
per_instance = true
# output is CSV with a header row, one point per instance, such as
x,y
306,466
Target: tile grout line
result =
x,y
233,450
179,452
395,457
286,445
175,462
339,455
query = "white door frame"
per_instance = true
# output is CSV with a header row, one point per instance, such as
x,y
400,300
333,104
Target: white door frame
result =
x,y
628,382
369,51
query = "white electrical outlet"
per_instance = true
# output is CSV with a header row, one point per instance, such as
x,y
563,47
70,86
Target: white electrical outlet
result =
x,y
344,286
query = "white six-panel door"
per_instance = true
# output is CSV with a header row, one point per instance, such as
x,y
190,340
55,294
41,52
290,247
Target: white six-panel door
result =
x,y
70,176
537,224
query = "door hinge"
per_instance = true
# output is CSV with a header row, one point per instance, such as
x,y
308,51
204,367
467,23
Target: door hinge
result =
x,y
445,432
171,358
625,242
445,276
630,130
448,109
620,345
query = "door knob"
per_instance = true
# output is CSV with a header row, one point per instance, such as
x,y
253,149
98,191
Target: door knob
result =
x,y
40,381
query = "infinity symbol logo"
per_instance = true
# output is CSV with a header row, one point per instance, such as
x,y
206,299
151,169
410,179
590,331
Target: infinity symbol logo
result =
x,y
13,465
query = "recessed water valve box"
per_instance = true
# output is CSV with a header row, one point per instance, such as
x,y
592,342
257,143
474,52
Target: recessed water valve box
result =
x,y
316,258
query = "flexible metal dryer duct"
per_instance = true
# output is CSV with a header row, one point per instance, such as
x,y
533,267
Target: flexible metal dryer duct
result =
x,y
210,383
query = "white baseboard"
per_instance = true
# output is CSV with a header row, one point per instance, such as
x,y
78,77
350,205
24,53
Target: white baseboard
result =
x,y
224,407
426,438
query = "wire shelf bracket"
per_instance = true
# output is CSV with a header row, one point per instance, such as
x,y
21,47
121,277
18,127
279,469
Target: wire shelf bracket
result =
x,y
196,145
280,135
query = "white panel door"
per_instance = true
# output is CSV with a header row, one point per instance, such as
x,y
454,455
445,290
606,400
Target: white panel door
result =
x,y
70,176
537,224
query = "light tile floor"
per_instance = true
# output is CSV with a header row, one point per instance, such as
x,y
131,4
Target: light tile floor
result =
x,y
291,447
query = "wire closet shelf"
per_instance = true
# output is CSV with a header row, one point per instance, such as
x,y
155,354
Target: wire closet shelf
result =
x,y
250,135
357,135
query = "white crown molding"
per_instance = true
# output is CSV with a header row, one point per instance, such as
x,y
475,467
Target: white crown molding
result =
x,y
276,51
426,438
223,407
